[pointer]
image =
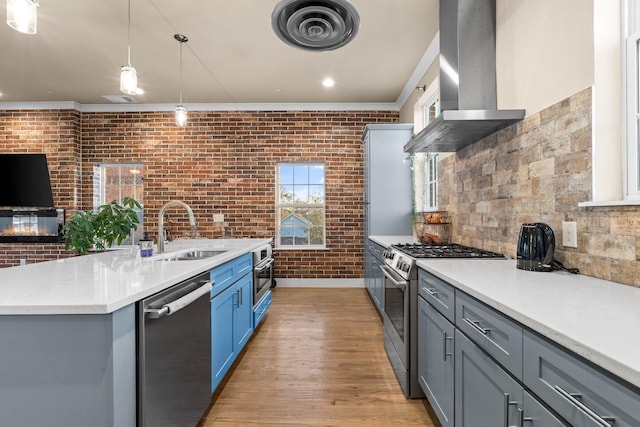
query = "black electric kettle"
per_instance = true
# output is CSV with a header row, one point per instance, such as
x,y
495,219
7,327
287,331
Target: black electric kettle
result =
x,y
536,245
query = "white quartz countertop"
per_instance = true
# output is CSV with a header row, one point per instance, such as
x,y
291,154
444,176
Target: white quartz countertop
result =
x,y
597,319
387,241
105,282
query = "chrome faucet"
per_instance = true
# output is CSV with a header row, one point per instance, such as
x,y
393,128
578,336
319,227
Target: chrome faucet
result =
x,y
163,210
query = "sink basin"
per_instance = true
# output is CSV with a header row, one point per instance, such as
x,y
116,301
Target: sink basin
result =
x,y
191,255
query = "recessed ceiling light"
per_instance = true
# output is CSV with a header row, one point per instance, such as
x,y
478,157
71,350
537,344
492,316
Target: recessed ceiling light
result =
x,y
328,82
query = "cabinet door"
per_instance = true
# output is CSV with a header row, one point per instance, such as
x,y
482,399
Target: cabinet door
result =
x,y
243,315
580,393
435,361
222,340
485,395
535,415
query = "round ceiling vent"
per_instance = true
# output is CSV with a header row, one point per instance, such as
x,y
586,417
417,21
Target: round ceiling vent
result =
x,y
315,24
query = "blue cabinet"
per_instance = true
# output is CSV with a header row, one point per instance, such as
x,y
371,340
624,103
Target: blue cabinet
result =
x,y
231,314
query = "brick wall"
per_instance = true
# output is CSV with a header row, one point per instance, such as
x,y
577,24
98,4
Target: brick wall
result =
x,y
538,171
57,134
224,162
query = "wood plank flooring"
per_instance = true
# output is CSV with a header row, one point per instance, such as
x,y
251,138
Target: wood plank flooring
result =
x,y
317,360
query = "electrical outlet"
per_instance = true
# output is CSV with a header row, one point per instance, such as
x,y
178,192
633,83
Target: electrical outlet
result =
x,y
218,218
569,234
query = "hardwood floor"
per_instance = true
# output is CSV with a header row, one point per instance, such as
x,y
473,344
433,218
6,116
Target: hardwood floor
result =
x,y
317,360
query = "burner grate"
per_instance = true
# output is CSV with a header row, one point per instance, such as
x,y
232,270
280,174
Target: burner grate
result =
x,y
451,250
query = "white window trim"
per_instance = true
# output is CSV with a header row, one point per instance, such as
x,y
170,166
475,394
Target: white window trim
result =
x,y
278,206
630,23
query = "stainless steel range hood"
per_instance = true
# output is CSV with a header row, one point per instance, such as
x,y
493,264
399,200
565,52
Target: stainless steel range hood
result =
x,y
467,80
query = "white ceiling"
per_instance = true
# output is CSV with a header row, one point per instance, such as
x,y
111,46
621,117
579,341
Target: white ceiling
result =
x,y
233,55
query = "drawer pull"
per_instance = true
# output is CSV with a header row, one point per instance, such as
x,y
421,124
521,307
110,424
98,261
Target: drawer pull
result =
x,y
444,346
475,324
507,403
571,398
431,292
523,419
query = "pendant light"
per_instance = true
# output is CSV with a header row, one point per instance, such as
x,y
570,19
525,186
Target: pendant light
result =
x,y
22,15
128,75
181,111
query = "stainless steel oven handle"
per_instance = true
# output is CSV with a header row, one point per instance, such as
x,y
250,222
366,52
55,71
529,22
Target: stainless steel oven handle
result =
x,y
402,284
176,305
261,267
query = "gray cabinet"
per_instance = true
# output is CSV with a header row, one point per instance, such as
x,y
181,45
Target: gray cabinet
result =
x,y
494,332
535,414
436,360
470,361
373,276
486,396
387,196
387,180
581,394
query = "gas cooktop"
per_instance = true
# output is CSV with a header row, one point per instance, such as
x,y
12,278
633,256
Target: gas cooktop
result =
x,y
450,250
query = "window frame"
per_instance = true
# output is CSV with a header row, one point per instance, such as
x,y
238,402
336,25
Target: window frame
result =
x,y
630,23
425,165
99,192
279,206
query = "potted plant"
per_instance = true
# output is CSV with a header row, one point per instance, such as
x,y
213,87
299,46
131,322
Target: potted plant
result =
x,y
111,223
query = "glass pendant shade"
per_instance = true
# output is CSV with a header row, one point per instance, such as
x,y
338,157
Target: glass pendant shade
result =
x,y
181,115
22,15
128,80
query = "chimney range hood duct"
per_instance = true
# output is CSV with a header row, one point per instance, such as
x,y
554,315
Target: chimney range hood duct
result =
x,y
467,80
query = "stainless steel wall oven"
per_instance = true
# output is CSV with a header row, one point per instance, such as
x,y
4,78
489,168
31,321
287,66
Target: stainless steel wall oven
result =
x,y
263,263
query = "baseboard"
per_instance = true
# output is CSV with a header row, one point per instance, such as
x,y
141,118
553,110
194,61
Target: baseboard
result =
x,y
320,283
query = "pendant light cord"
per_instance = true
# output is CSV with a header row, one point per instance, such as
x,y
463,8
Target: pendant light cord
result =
x,y
181,72
129,34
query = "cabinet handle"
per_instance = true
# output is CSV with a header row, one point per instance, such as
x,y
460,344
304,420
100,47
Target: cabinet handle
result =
x,y
604,421
507,403
475,324
444,346
523,419
431,292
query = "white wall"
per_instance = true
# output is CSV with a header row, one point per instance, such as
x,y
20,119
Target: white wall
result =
x,y
548,50
544,51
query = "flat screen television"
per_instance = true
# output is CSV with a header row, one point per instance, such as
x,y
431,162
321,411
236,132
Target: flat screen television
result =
x,y
24,181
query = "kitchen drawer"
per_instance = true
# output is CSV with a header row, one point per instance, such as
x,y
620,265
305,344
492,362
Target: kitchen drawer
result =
x,y
497,334
438,293
261,309
222,276
376,249
229,273
582,394
244,265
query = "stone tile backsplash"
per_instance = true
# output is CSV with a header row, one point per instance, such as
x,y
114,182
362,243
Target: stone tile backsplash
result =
x,y
538,170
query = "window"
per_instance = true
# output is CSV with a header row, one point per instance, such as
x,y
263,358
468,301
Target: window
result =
x,y
425,165
114,181
631,34
300,205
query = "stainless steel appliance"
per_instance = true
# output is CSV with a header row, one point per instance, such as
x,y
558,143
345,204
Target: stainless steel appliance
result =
x,y
536,245
174,355
400,313
263,264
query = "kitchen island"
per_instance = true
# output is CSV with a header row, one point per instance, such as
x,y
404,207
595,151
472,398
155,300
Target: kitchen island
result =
x,y
68,331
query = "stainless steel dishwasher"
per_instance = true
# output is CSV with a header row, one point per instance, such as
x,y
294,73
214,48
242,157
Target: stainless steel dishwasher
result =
x,y
174,354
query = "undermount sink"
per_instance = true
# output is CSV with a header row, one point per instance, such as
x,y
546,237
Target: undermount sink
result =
x,y
191,255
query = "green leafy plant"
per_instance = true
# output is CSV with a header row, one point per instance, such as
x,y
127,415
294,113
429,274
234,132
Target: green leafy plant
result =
x,y
112,223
